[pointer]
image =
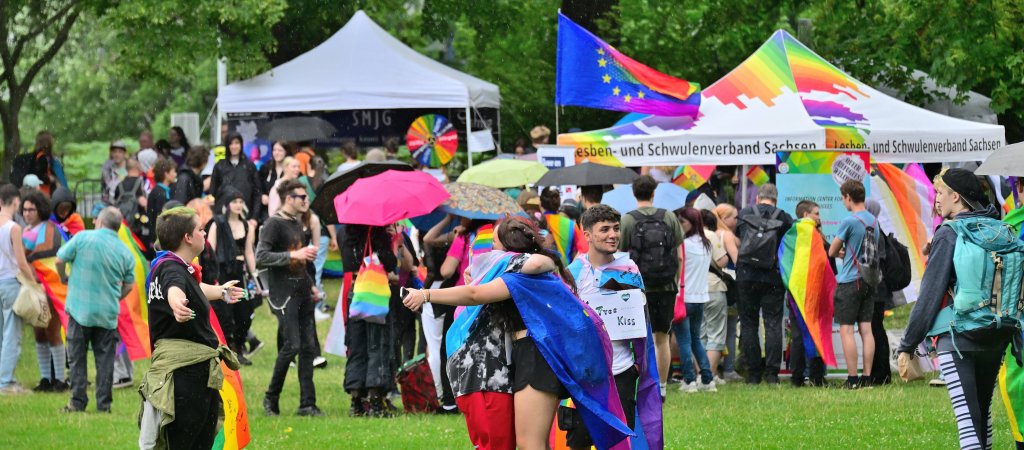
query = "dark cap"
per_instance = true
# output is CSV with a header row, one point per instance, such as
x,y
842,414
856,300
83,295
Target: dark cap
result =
x,y
966,184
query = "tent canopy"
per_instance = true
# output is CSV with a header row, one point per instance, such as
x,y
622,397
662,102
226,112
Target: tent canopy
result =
x,y
786,97
359,67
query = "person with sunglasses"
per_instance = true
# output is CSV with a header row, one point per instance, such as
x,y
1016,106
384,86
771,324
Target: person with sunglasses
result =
x,y
283,251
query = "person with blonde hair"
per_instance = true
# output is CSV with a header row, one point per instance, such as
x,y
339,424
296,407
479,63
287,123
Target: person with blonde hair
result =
x,y
725,229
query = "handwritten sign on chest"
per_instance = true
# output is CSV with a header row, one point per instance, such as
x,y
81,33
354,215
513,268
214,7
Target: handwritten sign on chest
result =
x,y
621,311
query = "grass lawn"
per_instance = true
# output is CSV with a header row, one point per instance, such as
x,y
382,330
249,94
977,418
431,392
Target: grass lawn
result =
x,y
897,416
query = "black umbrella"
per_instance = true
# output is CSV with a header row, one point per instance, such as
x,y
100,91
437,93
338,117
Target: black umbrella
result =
x,y
587,174
323,206
303,128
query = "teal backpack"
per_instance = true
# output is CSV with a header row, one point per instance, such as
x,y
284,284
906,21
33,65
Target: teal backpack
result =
x,y
988,298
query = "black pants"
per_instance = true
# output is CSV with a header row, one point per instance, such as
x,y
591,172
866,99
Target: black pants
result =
x,y
881,372
296,331
104,346
798,356
577,435
235,319
758,300
971,381
196,408
447,395
369,356
403,322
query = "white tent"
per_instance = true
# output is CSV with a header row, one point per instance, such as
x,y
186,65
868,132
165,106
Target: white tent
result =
x,y
786,97
359,67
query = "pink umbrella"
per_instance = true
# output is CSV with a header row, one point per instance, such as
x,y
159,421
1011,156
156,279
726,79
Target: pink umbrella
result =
x,y
389,197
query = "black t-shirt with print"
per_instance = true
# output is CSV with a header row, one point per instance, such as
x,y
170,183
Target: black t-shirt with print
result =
x,y
161,319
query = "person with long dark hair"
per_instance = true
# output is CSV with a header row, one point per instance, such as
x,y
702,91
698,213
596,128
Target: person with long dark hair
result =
x,y
548,365
696,262
237,171
233,243
273,170
42,239
178,144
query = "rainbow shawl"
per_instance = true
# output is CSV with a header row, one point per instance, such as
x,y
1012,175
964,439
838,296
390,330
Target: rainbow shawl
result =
x,y
622,274
235,432
567,236
133,319
567,333
810,284
906,211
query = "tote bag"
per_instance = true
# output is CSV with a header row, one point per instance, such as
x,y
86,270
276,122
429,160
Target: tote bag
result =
x,y
370,293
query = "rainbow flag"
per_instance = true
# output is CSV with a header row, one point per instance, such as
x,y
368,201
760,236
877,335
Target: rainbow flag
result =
x,y
593,74
567,236
692,177
907,213
133,319
46,273
1011,390
811,284
235,432
758,176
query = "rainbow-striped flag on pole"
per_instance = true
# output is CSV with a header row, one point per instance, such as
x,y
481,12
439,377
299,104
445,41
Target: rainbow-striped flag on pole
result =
x,y
809,279
234,434
692,177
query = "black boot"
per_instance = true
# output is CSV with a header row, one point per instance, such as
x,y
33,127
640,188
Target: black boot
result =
x,y
378,408
270,406
358,408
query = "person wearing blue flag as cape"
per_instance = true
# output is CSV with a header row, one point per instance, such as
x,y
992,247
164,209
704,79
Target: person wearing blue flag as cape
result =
x,y
555,335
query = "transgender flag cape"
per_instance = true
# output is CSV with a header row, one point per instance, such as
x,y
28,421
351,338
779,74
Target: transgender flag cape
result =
x,y
810,284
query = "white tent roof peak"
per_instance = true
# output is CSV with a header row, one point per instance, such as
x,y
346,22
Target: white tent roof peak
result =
x,y
360,67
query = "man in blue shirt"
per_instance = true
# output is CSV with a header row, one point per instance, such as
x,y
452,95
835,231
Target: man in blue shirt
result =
x,y
102,274
853,301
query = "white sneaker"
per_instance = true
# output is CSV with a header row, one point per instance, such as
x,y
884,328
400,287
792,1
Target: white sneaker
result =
x,y
937,382
688,388
319,362
319,315
709,387
720,381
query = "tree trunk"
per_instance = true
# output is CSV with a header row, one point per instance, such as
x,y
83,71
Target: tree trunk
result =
x,y
12,135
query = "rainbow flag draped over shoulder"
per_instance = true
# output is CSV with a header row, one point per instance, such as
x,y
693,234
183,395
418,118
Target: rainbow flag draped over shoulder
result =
x,y
133,319
235,432
811,284
1011,389
567,236
43,259
691,177
593,74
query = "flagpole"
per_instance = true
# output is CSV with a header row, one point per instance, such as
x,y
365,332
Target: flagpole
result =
x,y
556,123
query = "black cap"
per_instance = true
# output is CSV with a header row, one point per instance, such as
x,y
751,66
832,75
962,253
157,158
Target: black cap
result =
x,y
966,184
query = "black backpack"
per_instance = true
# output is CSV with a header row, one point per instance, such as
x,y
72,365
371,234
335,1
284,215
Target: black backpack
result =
x,y
21,166
759,245
651,247
895,263
869,261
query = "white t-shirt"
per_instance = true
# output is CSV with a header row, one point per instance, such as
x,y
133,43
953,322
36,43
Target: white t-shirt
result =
x,y
622,354
698,261
346,165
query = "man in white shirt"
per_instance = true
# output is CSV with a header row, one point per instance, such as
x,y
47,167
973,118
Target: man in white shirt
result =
x,y
604,268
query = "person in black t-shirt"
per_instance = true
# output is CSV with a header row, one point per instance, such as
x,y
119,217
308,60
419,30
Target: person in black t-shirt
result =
x,y
179,309
281,249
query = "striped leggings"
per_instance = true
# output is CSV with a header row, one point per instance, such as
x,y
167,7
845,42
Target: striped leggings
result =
x,y
971,381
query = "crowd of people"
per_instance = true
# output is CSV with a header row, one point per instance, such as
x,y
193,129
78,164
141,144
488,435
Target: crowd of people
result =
x,y
218,231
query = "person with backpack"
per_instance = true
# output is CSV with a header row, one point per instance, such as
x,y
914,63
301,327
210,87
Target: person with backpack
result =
x,y
652,237
881,374
856,243
189,183
130,199
979,262
762,294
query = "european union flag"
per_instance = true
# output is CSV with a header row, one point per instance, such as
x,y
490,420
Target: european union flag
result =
x,y
593,74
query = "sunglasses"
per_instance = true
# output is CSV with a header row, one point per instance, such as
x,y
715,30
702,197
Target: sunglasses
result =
x,y
299,196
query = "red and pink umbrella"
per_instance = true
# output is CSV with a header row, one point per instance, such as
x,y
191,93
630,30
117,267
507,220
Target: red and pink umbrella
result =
x,y
389,197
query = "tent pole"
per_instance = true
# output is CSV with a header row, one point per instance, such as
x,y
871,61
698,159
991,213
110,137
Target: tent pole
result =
x,y
743,186
557,132
469,130
222,80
